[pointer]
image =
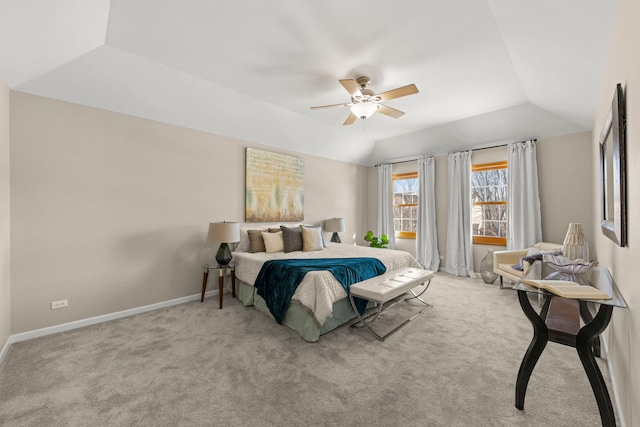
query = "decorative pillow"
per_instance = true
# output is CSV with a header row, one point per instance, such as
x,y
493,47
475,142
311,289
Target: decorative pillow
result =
x,y
292,238
273,242
256,242
273,230
243,245
311,238
324,245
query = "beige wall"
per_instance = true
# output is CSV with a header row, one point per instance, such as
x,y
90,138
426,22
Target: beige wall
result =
x,y
111,211
565,178
566,190
5,302
623,334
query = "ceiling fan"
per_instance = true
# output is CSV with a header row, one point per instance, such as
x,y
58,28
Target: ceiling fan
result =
x,y
365,102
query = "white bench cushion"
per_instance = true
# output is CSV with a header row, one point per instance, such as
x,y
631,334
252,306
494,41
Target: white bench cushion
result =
x,y
391,284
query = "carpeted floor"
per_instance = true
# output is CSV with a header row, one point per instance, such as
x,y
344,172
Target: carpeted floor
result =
x,y
193,364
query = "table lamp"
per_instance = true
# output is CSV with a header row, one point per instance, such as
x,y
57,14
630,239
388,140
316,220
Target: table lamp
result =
x,y
224,233
335,225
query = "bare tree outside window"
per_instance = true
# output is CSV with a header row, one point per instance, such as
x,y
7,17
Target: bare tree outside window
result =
x,y
405,204
489,203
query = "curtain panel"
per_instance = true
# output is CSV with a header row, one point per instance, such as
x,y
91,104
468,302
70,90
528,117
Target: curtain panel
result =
x,y
459,252
385,203
524,219
426,235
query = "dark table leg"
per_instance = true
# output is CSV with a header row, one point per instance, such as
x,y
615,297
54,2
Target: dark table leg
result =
x,y
233,283
538,343
587,317
220,286
204,283
584,344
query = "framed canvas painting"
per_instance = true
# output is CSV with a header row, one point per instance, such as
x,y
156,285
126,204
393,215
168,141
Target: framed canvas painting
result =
x,y
274,187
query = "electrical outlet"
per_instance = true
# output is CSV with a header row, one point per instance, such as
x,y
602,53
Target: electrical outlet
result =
x,y
59,304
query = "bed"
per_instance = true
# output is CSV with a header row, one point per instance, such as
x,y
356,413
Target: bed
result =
x,y
320,303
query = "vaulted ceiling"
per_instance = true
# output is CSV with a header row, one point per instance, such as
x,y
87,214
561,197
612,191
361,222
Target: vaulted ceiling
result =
x,y
488,71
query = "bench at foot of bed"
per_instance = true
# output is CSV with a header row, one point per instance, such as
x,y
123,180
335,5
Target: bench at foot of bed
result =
x,y
386,290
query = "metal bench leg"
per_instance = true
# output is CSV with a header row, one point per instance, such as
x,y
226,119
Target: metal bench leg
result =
x,y
382,307
417,296
361,320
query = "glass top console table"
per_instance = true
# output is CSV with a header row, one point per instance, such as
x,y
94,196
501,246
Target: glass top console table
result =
x,y
559,321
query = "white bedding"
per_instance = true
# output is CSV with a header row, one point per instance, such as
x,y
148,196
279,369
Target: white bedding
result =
x,y
320,289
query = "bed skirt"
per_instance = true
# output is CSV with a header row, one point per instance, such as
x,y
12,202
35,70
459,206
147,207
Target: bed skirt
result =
x,y
297,317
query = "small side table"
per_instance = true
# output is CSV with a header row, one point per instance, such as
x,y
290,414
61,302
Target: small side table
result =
x,y
221,271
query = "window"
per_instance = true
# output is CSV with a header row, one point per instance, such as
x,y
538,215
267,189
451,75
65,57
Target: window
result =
x,y
489,203
405,204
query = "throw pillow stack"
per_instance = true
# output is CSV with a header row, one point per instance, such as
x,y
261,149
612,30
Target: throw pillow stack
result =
x,y
283,239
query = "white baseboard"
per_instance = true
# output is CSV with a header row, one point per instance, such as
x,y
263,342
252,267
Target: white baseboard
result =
x,y
24,336
5,349
614,385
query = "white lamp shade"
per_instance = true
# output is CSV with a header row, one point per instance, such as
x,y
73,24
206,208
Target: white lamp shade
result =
x,y
364,110
335,225
224,232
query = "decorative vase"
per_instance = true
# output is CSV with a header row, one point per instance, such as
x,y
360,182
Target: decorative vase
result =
x,y
486,268
575,244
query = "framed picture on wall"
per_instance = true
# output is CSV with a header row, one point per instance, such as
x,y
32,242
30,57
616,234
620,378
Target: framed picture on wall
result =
x,y
613,171
274,187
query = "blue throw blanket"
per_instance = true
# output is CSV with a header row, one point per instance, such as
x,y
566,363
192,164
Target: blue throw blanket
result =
x,y
278,279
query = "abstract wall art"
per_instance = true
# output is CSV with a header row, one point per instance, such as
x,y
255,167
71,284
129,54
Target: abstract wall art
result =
x,y
274,187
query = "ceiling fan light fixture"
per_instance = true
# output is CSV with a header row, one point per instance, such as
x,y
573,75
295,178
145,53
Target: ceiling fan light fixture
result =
x,y
365,102
364,110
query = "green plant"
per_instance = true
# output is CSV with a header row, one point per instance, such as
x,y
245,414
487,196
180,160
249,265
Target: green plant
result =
x,y
376,242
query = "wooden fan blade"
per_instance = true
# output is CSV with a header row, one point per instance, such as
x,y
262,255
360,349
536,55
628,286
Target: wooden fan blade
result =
x,y
329,106
351,86
391,112
352,118
397,93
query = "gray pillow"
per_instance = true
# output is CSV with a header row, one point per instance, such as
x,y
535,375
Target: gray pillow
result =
x,y
292,238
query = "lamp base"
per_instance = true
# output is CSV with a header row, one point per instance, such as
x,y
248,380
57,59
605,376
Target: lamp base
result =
x,y
335,237
223,256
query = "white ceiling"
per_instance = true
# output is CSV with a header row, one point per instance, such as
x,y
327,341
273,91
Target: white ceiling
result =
x,y
488,71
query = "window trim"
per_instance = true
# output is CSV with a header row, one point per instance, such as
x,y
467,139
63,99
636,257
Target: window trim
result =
x,y
488,240
407,175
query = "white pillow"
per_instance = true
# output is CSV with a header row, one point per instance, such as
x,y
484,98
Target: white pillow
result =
x,y
311,239
273,242
243,244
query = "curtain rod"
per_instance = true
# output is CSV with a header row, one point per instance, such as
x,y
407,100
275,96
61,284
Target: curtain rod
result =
x,y
470,149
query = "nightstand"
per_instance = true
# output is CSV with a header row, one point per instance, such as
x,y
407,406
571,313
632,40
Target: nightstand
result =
x,y
221,272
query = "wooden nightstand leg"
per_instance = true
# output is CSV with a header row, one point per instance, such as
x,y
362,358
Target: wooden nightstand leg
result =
x,y
204,283
220,285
